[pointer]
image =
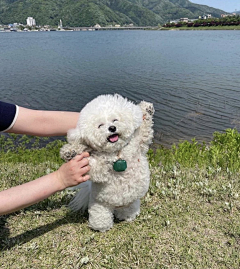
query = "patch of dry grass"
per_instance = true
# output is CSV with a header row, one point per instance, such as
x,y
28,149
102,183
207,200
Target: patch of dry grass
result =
x,y
190,219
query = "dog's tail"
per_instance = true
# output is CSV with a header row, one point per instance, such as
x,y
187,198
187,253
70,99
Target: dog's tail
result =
x,y
81,199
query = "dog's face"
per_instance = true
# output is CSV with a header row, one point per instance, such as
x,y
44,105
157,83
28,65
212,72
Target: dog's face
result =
x,y
107,123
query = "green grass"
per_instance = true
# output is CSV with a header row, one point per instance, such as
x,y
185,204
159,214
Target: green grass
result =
x,y
190,217
231,27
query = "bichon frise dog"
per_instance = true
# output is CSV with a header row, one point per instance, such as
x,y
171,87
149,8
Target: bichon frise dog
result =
x,y
117,134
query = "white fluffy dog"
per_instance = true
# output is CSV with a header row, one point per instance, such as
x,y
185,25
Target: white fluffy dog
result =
x,y
117,134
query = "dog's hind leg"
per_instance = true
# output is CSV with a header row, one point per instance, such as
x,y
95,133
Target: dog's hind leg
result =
x,y
100,217
128,213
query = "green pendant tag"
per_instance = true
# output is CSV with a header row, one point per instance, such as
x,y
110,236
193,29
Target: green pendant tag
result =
x,y
120,165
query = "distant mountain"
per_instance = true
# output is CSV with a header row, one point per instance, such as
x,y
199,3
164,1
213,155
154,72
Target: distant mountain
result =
x,y
175,9
103,12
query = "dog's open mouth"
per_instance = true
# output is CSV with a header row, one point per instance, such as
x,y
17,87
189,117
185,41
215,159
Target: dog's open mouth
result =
x,y
113,138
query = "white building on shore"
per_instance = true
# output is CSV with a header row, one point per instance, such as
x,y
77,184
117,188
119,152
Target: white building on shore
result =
x,y
31,21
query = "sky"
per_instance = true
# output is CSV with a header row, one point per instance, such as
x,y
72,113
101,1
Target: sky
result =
x,y
226,5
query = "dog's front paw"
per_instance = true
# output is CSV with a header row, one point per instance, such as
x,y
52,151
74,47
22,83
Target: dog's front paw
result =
x,y
147,109
68,156
67,153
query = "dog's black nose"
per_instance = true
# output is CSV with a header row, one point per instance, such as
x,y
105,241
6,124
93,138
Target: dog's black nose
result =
x,y
112,129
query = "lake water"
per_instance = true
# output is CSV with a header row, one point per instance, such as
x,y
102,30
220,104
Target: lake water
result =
x,y
192,77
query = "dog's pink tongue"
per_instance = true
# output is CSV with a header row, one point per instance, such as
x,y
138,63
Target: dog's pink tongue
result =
x,y
113,138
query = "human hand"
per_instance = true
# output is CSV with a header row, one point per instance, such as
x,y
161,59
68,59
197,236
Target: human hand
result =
x,y
74,172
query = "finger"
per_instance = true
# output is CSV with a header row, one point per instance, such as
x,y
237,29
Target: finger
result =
x,y
85,169
83,162
85,178
81,156
85,154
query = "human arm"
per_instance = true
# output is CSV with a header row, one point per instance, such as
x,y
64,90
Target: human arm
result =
x,y
43,123
69,174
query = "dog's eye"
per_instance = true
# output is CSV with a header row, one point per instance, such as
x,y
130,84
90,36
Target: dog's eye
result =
x,y
99,126
115,120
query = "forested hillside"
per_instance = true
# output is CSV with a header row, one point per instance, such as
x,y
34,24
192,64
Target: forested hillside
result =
x,y
103,12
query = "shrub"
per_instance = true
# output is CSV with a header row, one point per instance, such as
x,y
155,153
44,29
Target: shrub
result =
x,y
223,152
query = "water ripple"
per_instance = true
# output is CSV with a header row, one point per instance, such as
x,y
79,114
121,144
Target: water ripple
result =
x,y
192,77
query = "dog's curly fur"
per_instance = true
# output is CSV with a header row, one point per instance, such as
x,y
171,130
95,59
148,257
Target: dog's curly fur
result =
x,y
111,127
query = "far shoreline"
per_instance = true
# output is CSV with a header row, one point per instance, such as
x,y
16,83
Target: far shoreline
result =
x,y
207,28
150,28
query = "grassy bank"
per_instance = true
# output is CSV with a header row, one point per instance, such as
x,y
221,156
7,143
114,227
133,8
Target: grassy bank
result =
x,y
190,217
233,27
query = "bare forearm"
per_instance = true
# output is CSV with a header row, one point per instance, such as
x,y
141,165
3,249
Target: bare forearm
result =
x,y
29,193
69,174
44,123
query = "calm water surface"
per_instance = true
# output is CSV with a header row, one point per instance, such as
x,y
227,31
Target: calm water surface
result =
x,y
192,77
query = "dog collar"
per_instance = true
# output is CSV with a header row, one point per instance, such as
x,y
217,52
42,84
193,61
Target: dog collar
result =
x,y
120,165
